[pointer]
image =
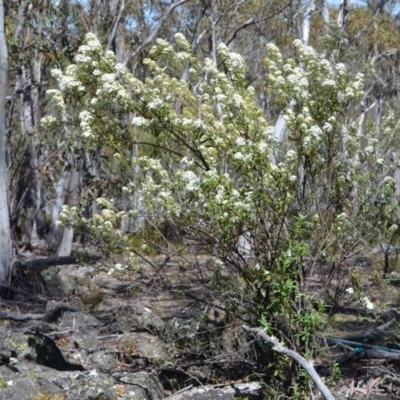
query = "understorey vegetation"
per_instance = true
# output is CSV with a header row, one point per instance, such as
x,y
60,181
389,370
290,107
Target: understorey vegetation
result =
x,y
208,164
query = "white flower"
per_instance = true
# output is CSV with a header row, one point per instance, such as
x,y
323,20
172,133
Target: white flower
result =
x,y
219,197
388,180
315,131
350,290
291,155
327,127
240,141
393,228
120,67
108,225
140,121
262,147
157,102
369,149
237,100
192,180
87,134
47,121
340,68
199,124
367,303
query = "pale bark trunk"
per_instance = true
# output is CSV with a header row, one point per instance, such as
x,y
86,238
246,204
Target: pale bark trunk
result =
x,y
324,11
343,15
5,235
396,159
305,34
56,210
27,200
65,247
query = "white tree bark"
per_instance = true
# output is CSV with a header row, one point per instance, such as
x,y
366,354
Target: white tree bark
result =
x,y
27,200
324,11
343,15
305,31
65,247
56,210
5,234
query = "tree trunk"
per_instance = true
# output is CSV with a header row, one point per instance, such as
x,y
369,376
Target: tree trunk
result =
x,y
65,247
56,210
5,235
27,199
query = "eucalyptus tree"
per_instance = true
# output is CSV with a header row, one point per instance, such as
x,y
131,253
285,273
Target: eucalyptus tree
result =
x,y
5,234
28,83
38,40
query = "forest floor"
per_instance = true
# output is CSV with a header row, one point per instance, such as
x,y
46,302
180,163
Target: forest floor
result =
x,y
188,338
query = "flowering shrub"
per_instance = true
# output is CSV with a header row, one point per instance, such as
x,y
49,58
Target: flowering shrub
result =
x,y
267,211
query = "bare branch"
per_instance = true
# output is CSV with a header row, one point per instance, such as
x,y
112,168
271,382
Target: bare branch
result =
x,y
153,34
253,21
295,356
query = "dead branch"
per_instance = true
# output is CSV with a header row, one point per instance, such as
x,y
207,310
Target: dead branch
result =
x,y
295,356
43,263
19,317
153,34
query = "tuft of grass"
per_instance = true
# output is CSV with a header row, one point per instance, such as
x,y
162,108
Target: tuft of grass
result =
x,y
92,299
3,383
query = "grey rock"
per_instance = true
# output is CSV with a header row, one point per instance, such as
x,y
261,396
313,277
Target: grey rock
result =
x,y
229,392
146,385
86,385
43,351
136,318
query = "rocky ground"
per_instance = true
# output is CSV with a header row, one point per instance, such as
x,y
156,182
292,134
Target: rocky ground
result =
x,y
159,331
75,332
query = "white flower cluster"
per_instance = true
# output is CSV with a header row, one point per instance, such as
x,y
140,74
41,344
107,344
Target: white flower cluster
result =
x,y
57,99
233,61
192,181
312,93
86,118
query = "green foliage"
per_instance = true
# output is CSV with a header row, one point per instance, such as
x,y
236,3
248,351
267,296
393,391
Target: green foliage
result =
x,y
266,211
336,373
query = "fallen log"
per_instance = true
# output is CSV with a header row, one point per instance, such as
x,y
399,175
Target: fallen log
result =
x,y
39,264
19,317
